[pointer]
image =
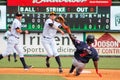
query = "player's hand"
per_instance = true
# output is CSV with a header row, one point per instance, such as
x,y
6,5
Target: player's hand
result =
x,y
62,32
26,32
99,74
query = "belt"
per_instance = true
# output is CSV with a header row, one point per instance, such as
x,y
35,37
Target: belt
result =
x,y
14,36
46,37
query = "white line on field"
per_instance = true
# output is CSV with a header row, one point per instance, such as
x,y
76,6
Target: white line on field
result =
x,y
86,71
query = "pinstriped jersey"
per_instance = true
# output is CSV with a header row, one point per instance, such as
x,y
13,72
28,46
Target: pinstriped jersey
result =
x,y
16,24
49,31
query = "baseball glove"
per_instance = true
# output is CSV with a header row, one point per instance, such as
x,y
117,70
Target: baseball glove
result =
x,y
60,19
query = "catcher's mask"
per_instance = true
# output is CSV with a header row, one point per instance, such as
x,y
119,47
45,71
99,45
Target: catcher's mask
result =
x,y
90,39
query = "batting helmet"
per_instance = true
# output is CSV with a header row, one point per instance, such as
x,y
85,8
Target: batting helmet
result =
x,y
18,13
90,39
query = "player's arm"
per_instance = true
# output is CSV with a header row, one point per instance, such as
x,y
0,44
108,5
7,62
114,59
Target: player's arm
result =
x,y
20,31
96,65
57,28
95,61
5,36
72,37
96,68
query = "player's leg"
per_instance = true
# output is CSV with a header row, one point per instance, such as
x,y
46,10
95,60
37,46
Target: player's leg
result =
x,y
49,53
73,65
21,55
72,68
9,57
1,56
47,47
9,49
79,67
59,64
56,54
47,61
71,71
14,55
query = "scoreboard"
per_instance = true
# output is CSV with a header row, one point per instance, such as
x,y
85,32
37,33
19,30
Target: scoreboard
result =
x,y
79,18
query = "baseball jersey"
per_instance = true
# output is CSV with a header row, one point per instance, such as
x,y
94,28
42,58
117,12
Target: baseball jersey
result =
x,y
84,52
49,31
16,24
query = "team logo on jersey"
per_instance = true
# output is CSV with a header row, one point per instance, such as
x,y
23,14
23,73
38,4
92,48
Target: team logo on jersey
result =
x,y
78,41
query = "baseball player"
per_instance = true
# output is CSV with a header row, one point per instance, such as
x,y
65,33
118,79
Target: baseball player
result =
x,y
13,40
49,32
6,36
84,52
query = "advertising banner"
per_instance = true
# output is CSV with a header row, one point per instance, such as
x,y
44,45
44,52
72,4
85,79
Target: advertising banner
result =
x,y
107,43
59,2
2,17
31,44
115,18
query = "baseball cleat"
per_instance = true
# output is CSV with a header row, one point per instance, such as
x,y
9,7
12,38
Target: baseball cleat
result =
x,y
27,67
15,60
48,65
77,73
60,70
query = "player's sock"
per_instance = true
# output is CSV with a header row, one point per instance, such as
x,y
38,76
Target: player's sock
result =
x,y
47,62
72,69
58,61
23,62
47,59
1,56
9,57
14,54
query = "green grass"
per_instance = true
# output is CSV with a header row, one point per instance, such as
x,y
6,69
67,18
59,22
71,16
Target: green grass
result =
x,y
39,62
29,77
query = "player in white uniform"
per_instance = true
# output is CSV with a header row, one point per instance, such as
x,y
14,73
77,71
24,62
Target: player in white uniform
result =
x,y
49,32
13,40
6,36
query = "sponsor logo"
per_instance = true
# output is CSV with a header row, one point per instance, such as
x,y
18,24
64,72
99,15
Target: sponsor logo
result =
x,y
106,41
53,1
107,45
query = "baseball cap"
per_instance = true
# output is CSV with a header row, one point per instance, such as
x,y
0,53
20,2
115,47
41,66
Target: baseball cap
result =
x,y
52,13
18,13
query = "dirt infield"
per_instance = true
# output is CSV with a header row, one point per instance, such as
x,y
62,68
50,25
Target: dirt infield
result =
x,y
87,74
